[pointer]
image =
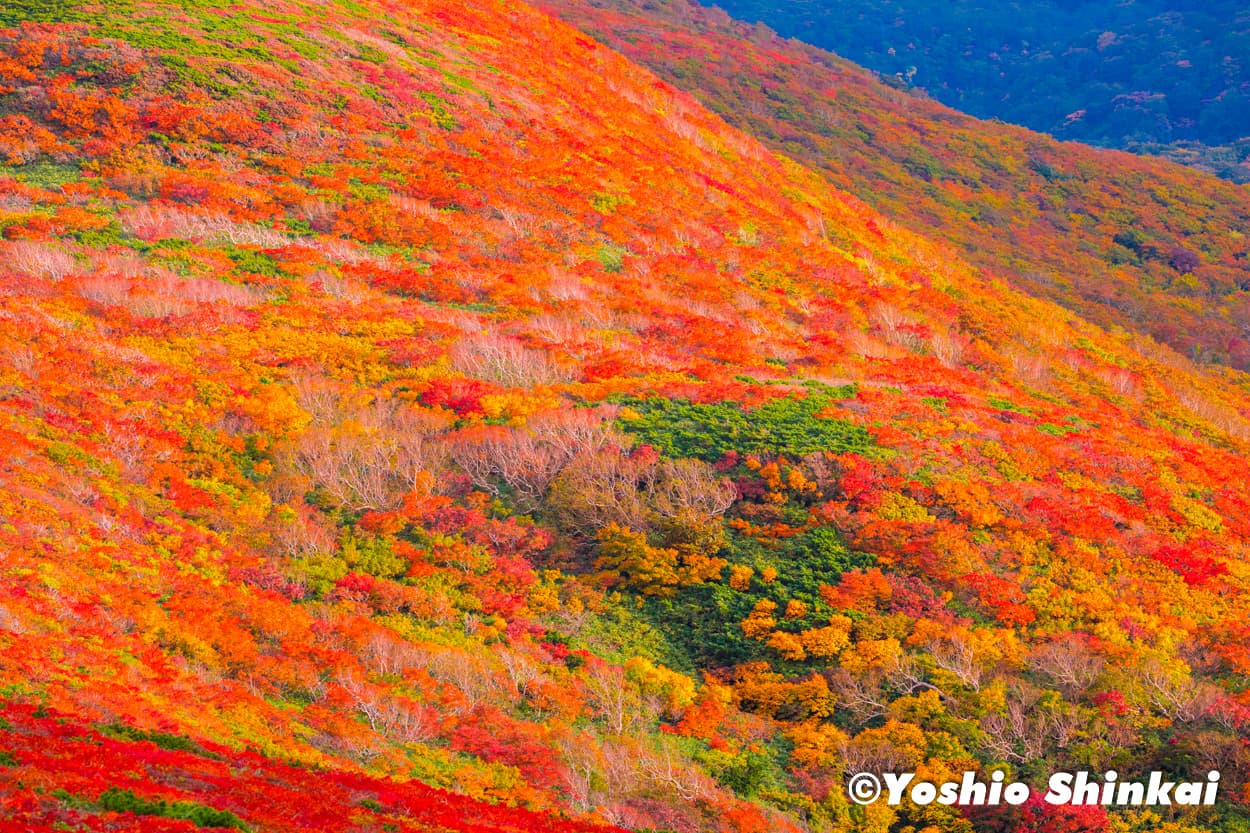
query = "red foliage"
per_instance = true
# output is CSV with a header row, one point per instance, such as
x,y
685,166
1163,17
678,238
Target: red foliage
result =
x,y
55,752
1188,561
462,395
490,734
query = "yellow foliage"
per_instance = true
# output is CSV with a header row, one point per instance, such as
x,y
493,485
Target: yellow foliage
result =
x,y
716,692
1197,514
899,507
677,690
273,409
815,744
1139,821
740,577
768,692
925,631
871,653
788,645
697,568
828,641
903,742
994,697
516,406
917,708
798,482
878,817
760,622
544,597
795,609
1003,461
625,555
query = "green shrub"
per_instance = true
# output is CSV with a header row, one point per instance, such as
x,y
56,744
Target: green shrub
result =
x,y
783,426
611,258
374,556
15,12
704,622
745,773
124,801
253,262
818,556
164,740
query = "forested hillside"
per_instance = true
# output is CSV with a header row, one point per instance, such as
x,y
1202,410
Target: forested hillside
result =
x,y
1165,76
404,398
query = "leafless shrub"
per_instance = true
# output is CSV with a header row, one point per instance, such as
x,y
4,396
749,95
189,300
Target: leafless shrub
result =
x,y
472,676
897,327
1172,692
947,348
337,287
206,291
389,655
680,498
960,657
109,290
372,463
684,486
1120,381
615,699
557,329
367,456
862,695
416,207
126,264
867,345
1025,729
404,721
522,671
1219,415
21,358
524,460
157,306
599,488
505,361
668,770
31,258
1071,664
1029,367
565,287
154,222
582,764
399,719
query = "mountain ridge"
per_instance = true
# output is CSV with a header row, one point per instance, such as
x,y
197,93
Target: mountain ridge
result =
x,y
1122,240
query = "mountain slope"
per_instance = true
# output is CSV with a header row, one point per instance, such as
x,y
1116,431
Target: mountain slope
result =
x,y
55,768
375,401
1124,241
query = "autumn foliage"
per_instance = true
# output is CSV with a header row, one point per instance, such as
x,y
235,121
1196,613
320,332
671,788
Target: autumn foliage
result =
x,y
419,416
